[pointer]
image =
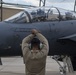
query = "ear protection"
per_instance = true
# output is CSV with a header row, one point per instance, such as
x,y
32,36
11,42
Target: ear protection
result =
x,y
40,46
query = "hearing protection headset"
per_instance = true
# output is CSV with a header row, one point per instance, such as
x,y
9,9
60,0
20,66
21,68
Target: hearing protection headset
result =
x,y
35,41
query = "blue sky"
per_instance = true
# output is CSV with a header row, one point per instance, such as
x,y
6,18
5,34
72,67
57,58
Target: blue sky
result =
x,y
66,4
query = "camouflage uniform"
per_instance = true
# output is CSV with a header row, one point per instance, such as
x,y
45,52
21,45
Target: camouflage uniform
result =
x,y
35,62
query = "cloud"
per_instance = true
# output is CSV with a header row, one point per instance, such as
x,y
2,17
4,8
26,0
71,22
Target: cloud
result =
x,y
33,2
68,6
58,3
36,2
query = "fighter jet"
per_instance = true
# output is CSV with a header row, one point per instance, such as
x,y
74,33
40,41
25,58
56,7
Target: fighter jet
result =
x,y
57,25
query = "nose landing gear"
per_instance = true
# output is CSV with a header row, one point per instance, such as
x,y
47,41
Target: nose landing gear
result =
x,y
66,64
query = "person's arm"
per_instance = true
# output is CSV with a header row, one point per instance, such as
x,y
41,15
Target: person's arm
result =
x,y
25,46
43,40
44,51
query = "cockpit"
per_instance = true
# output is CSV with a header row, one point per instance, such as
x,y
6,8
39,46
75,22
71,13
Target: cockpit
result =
x,y
20,17
42,14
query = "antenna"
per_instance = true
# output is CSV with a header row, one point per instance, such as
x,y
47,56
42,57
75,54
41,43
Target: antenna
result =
x,y
1,2
42,1
74,5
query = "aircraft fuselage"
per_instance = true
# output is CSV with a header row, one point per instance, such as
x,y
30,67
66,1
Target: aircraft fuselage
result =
x,y
12,34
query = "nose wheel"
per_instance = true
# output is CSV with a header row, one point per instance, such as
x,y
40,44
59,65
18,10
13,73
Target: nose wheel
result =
x,y
66,64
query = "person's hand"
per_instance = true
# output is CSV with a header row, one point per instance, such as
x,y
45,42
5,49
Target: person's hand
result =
x,y
34,31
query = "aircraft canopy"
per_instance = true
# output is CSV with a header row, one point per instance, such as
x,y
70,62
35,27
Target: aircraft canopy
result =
x,y
42,14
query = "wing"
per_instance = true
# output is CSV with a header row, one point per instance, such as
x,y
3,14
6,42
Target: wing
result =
x,y
70,37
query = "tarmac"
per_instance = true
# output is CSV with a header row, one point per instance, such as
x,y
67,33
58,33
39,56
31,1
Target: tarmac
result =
x,y
15,66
